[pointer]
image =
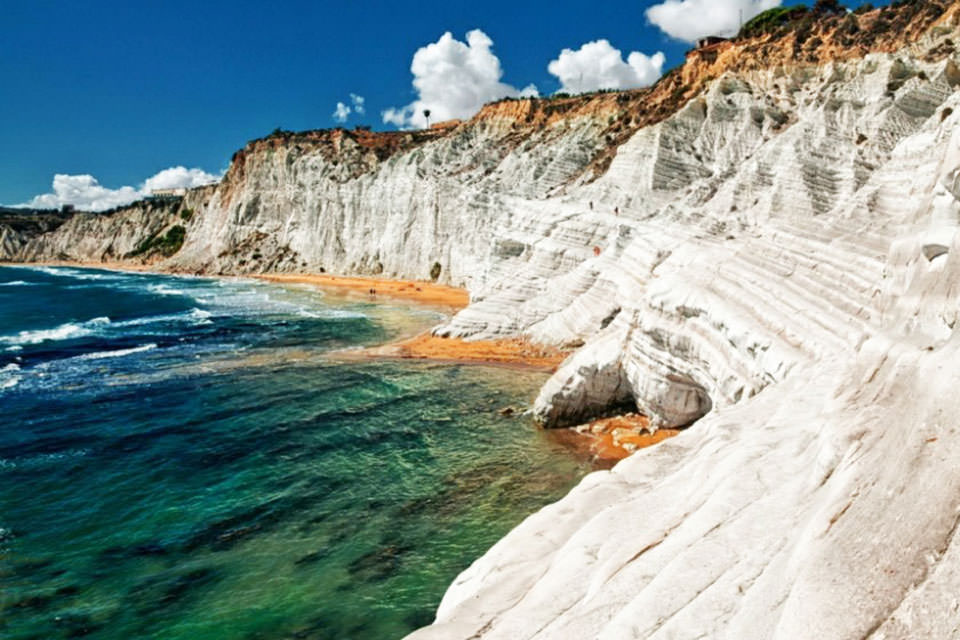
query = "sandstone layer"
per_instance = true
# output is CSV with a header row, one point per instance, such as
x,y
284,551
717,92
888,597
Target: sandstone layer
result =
x,y
763,245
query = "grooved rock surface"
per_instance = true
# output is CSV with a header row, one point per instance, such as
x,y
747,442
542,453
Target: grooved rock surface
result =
x,y
799,282
776,256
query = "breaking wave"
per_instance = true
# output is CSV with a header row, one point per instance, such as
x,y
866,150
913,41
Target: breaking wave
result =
x,y
164,290
116,353
8,377
66,331
66,272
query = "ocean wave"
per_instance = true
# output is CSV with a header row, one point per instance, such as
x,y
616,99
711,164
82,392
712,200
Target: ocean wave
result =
x,y
66,331
66,272
164,290
17,283
41,459
72,330
116,353
8,377
194,315
330,314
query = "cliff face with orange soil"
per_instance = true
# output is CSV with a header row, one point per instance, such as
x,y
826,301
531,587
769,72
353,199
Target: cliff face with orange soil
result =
x,y
763,245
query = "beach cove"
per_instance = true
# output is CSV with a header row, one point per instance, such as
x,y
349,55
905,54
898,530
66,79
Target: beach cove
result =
x,y
233,478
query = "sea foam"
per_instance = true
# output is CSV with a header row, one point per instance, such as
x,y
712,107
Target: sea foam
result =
x,y
8,377
66,331
116,353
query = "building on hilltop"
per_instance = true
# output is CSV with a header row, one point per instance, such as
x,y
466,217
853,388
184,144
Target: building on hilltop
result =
x,y
710,41
161,194
708,48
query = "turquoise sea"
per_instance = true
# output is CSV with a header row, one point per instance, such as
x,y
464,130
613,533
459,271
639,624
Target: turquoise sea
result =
x,y
182,458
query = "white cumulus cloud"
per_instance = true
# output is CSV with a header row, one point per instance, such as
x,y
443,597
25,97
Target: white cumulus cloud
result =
x,y
357,105
177,178
692,19
84,192
341,113
87,194
597,65
454,79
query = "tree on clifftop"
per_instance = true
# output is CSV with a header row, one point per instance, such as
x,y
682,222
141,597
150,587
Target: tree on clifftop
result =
x,y
828,6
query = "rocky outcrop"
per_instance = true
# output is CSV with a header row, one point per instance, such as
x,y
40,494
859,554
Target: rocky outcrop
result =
x,y
20,226
764,243
126,233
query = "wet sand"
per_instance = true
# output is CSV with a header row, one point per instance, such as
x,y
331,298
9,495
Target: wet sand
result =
x,y
516,352
605,441
608,440
428,293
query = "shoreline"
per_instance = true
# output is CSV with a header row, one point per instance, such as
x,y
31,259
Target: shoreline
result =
x,y
604,441
516,353
508,352
421,292
610,440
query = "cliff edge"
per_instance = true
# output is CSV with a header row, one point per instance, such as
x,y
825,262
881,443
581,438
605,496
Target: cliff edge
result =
x,y
763,245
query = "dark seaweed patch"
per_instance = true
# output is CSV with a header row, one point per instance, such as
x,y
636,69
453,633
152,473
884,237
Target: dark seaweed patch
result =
x,y
112,555
34,602
312,557
77,625
380,564
167,590
227,532
419,618
37,570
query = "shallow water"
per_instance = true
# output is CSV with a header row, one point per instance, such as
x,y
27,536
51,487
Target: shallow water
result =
x,y
180,459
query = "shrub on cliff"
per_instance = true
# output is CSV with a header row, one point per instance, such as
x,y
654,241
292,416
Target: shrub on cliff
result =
x,y
828,6
435,271
166,245
772,20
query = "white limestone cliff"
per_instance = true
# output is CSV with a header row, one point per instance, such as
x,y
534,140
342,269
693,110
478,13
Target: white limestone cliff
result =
x,y
776,262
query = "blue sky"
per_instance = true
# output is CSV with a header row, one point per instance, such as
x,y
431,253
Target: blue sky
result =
x,y
123,90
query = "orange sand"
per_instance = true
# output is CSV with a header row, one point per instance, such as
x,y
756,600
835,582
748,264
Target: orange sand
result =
x,y
513,352
610,440
422,292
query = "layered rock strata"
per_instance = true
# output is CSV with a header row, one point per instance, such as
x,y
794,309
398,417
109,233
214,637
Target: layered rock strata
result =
x,y
764,244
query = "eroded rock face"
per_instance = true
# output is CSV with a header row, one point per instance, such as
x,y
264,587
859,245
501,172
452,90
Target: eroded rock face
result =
x,y
805,278
775,253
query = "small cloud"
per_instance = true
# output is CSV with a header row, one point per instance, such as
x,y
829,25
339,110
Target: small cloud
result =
x,y
178,178
692,19
86,193
453,79
341,113
597,65
358,104
529,91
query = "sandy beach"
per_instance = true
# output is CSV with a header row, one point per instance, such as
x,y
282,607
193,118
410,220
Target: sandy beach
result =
x,y
515,352
609,440
428,293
